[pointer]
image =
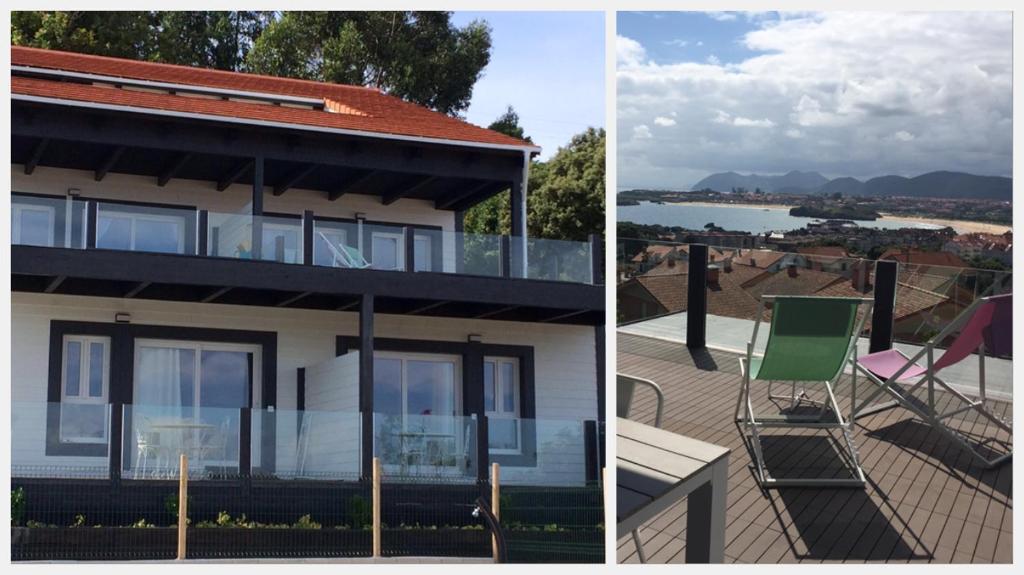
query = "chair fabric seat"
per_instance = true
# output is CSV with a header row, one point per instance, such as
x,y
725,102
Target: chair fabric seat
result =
x,y
885,364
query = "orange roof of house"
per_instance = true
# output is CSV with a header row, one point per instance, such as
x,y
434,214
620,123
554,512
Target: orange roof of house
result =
x,y
916,256
353,108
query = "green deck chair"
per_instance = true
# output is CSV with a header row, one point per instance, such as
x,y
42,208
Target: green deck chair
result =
x,y
810,341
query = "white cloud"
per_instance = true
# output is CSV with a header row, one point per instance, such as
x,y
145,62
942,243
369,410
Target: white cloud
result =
x,y
641,132
629,52
713,60
663,121
677,43
700,42
857,94
722,16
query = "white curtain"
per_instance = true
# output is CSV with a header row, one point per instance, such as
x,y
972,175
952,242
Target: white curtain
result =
x,y
158,377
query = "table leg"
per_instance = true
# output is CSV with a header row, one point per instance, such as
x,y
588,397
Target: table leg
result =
x,y
705,519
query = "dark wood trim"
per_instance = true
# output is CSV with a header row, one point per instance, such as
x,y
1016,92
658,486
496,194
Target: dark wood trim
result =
x,y
460,242
91,216
599,358
293,178
37,154
136,289
404,191
307,237
173,168
505,256
54,284
697,297
240,169
596,259
458,197
591,448
257,208
409,235
108,163
351,184
365,342
202,232
300,389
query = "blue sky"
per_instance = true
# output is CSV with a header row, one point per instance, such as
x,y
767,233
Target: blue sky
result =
x,y
549,66
858,94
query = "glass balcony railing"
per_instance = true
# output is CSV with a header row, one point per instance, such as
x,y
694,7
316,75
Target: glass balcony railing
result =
x,y
154,437
60,440
72,223
420,446
47,221
291,444
539,451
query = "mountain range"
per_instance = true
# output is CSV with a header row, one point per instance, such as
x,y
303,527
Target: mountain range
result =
x,y
931,185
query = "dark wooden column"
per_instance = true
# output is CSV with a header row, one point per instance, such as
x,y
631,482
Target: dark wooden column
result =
x,y
257,208
203,233
697,297
517,208
91,215
366,380
883,314
473,403
307,237
460,241
596,259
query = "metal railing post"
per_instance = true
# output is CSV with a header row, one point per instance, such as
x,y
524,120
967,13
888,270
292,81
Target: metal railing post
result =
x,y
697,297
505,256
596,259
883,316
307,237
202,233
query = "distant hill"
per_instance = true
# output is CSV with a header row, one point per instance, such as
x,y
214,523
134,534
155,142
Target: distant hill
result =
x,y
795,180
940,184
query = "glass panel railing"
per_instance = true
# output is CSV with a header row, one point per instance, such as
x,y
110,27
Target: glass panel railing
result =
x,y
539,451
336,245
459,253
291,444
60,440
383,246
155,436
47,221
139,228
229,235
282,239
416,446
558,260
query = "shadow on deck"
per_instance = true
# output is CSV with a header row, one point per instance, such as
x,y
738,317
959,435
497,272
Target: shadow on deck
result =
x,y
926,499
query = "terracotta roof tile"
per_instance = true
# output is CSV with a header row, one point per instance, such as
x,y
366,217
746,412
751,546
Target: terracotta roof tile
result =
x,y
362,109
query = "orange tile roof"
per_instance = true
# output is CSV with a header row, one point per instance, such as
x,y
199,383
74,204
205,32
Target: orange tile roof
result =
x,y
919,257
356,108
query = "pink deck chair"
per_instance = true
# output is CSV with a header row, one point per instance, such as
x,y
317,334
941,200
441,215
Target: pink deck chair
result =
x,y
988,329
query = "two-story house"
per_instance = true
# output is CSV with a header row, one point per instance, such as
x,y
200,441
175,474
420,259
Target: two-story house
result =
x,y
271,276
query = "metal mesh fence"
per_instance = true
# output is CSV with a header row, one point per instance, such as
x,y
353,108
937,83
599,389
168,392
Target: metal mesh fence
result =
x,y
547,524
434,517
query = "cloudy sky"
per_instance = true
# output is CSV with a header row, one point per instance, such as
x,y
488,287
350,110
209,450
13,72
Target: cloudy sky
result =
x,y
846,94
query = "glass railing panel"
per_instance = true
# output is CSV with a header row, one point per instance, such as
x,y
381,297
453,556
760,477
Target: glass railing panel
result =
x,y
282,239
336,245
538,451
460,252
558,260
156,436
416,446
296,444
141,228
60,440
47,221
229,235
383,246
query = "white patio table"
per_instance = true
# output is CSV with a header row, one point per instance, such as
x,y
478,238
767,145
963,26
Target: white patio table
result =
x,y
656,468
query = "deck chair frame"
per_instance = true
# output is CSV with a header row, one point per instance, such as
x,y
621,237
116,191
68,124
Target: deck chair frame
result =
x,y
900,395
750,422
343,255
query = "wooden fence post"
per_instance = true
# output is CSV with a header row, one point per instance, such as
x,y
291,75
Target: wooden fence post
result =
x,y
376,507
495,505
182,505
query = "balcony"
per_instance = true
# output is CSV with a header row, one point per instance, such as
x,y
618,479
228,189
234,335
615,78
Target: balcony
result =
x,y
927,500
142,443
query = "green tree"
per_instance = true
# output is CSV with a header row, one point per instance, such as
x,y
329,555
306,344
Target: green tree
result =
x,y
119,34
208,39
567,192
417,56
492,216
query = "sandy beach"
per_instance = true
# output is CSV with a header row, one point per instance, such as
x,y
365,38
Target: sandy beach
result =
x,y
961,226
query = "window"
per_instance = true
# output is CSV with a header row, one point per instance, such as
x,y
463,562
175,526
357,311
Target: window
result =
x,y
32,224
85,378
142,231
387,250
287,236
422,253
329,242
501,402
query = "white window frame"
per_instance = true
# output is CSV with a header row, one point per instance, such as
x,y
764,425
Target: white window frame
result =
x,y
399,238
499,411
18,208
455,360
428,250
134,218
200,346
83,398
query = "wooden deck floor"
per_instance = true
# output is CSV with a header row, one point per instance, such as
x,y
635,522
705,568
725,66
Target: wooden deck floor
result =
x,y
926,501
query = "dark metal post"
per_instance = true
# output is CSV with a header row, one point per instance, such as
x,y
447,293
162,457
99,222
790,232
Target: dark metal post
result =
x,y
483,453
366,380
884,313
410,249
460,242
203,233
116,441
697,297
596,259
518,224
307,237
257,208
245,442
91,214
590,450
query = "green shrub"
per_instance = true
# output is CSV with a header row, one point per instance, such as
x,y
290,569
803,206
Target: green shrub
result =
x,y
306,522
17,506
360,513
